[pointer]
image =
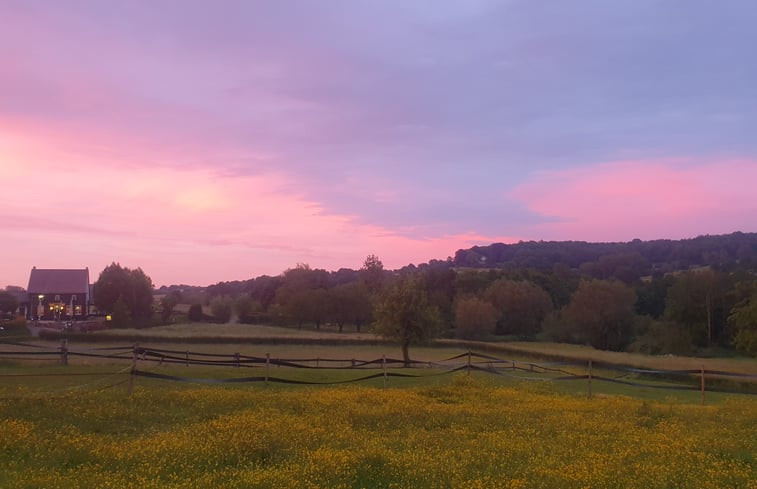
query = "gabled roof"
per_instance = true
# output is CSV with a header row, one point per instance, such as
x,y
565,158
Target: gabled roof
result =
x,y
58,281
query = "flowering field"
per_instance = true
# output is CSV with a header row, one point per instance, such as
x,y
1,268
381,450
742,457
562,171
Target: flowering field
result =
x,y
465,433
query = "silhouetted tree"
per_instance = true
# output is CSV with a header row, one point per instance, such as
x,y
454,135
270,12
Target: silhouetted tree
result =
x,y
133,287
403,314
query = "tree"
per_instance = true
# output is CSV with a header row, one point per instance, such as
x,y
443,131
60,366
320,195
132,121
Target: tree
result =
x,y
133,287
474,318
244,307
8,302
349,303
167,304
697,301
403,314
195,313
743,319
372,273
601,313
521,306
120,314
221,308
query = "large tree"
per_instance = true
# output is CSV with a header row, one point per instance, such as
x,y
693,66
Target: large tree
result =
x,y
349,303
133,287
697,300
521,306
743,319
8,302
474,318
601,313
403,313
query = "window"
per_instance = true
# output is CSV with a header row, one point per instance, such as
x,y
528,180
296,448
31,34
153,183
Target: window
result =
x,y
57,298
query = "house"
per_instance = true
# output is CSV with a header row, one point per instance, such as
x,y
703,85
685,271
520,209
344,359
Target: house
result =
x,y
58,294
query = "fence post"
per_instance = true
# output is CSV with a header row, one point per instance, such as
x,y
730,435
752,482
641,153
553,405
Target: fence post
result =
x,y
468,366
64,352
236,359
702,372
353,363
186,356
133,368
383,365
267,365
589,377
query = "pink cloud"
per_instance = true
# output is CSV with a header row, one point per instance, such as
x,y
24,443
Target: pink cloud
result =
x,y
193,225
643,199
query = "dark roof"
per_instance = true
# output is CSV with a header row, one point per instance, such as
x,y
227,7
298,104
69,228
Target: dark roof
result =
x,y
49,281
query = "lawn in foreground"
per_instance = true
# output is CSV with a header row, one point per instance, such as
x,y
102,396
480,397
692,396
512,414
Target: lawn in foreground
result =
x,y
465,433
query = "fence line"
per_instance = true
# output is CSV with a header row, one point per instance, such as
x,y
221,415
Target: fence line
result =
x,y
483,363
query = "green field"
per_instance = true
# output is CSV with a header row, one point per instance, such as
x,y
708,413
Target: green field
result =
x,y
464,432
78,426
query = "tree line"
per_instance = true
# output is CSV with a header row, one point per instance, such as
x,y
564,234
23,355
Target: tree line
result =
x,y
615,301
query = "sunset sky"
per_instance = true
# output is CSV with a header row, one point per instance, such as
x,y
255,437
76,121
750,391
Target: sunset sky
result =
x,y
220,140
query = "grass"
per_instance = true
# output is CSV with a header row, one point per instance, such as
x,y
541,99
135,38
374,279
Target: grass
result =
x,y
580,353
239,330
462,432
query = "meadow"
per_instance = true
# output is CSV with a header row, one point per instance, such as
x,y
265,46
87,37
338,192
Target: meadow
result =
x,y
78,426
467,432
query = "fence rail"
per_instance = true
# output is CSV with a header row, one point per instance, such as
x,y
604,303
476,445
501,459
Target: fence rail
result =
x,y
468,361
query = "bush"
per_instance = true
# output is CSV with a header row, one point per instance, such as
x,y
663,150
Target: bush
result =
x,y
15,327
221,308
663,338
195,313
474,318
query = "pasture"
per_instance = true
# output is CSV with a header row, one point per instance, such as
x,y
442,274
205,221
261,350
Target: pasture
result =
x,y
466,432
487,426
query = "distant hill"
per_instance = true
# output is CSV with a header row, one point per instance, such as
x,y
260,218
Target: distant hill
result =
x,y
657,256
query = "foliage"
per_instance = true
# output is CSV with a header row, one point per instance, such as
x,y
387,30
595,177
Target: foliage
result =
x,y
15,327
744,320
600,314
627,267
121,314
663,338
521,306
651,296
245,307
350,303
195,313
8,302
221,308
167,304
736,249
372,273
132,287
697,300
403,314
474,318
462,434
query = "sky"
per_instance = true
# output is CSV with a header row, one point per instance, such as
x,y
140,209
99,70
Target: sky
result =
x,y
208,141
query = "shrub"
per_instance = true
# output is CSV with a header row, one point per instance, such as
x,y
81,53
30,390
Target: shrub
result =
x,y
195,312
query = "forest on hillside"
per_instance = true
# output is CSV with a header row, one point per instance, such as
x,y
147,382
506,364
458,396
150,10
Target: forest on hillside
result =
x,y
696,296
